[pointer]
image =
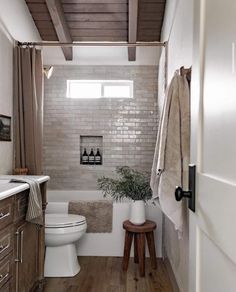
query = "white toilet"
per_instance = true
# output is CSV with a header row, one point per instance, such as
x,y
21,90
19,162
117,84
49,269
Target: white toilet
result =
x,y
62,231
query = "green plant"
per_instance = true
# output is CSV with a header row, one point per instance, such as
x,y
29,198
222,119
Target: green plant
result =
x,y
130,184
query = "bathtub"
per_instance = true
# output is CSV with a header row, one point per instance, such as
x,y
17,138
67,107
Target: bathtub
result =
x,y
103,244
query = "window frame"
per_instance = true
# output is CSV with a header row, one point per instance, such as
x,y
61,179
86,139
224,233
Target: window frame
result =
x,y
129,83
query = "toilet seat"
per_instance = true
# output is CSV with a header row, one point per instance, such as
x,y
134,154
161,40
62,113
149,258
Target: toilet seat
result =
x,y
63,220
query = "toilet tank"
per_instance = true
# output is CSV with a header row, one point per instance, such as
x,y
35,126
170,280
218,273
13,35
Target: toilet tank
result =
x,y
57,207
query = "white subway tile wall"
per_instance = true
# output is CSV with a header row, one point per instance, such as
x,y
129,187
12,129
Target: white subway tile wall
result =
x,y
128,126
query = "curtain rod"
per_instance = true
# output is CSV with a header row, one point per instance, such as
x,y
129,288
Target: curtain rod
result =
x,y
93,44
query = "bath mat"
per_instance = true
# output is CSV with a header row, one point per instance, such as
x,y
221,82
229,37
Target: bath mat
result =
x,y
98,214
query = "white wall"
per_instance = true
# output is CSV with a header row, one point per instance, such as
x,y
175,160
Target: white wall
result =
x,y
18,21
102,56
107,244
6,96
178,31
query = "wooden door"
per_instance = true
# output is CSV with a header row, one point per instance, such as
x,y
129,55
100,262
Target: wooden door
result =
x,y
212,266
27,257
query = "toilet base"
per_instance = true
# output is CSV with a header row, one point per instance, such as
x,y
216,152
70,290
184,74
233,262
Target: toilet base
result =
x,y
61,261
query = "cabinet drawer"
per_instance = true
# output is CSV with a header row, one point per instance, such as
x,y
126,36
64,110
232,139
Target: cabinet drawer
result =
x,y
6,212
6,241
21,203
6,269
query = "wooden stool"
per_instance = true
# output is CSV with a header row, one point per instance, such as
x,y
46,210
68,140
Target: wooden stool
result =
x,y
139,232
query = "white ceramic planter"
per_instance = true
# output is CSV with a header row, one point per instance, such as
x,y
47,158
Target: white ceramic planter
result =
x,y
137,212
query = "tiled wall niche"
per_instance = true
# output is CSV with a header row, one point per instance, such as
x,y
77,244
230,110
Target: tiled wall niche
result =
x,y
128,126
91,142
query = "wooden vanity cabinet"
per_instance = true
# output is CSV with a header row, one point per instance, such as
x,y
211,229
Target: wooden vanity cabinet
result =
x,y
27,257
21,246
6,242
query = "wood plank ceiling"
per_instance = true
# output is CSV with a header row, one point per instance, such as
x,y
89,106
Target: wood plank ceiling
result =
x,y
98,20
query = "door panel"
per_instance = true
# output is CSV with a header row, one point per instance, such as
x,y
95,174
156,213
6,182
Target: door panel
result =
x,y
213,266
216,210
213,145
219,87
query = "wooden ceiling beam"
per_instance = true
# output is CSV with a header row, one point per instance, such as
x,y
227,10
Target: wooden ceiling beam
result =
x,y
133,27
58,18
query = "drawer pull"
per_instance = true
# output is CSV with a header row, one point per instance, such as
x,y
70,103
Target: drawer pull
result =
x,y
17,246
2,278
3,247
21,246
2,215
19,250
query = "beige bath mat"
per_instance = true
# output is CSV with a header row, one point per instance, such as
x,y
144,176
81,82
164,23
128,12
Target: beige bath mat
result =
x,y
98,214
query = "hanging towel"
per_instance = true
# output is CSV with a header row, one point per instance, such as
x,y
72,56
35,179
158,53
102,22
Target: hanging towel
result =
x,y
171,158
34,212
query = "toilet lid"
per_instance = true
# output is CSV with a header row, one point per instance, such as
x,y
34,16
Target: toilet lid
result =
x,y
63,220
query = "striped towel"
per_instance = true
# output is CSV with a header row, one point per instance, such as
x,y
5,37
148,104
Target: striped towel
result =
x,y
35,211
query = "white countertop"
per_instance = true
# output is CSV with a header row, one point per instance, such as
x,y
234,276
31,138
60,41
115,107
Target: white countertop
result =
x,y
8,188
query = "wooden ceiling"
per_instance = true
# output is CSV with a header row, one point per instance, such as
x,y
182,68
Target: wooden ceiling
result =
x,y
98,20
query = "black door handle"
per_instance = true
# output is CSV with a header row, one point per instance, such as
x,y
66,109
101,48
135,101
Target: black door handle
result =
x,y
180,194
190,194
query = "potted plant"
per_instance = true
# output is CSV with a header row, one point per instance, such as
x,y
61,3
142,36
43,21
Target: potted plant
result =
x,y
130,184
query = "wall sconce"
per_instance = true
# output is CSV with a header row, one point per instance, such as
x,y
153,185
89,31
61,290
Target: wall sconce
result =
x,y
48,71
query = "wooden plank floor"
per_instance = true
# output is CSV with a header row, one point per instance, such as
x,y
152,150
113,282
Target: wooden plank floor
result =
x,y
104,274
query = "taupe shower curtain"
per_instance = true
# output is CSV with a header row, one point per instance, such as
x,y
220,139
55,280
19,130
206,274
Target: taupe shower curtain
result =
x,y
28,111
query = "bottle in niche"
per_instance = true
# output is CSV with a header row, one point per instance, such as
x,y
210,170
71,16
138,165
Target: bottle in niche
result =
x,y
85,157
91,157
98,157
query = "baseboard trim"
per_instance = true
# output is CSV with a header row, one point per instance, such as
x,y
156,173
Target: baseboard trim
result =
x,y
171,275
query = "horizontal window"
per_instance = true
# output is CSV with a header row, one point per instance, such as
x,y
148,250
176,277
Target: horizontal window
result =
x,y
99,89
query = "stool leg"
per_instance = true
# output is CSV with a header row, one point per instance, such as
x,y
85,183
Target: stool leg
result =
x,y
151,247
135,249
141,253
128,242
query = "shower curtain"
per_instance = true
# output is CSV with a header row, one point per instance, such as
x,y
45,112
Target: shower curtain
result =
x,y
28,109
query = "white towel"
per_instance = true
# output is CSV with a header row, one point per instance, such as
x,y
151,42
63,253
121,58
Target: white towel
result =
x,y
35,211
171,158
